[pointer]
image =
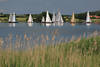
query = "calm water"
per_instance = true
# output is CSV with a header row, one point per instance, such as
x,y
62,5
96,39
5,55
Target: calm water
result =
x,y
36,30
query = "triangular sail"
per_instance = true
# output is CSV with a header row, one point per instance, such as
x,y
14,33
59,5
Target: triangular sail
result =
x,y
10,18
73,17
13,18
54,17
43,20
30,18
88,17
48,17
59,17
62,19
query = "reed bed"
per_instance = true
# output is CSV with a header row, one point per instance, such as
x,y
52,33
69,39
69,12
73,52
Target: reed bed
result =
x,y
82,52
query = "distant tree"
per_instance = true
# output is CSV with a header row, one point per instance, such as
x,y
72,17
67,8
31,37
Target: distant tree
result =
x,y
83,15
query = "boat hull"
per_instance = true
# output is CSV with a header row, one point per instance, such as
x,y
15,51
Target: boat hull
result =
x,y
12,22
88,23
47,22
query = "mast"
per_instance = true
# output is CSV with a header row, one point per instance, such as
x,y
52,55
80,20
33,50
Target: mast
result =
x,y
43,20
48,17
30,19
73,17
54,17
88,17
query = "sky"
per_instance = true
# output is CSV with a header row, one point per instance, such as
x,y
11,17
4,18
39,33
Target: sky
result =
x,y
37,6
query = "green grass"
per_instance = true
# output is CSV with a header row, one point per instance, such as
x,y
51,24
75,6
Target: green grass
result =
x,y
21,19
79,53
5,19
96,20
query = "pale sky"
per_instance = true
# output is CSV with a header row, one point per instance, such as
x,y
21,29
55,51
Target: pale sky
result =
x,y
37,6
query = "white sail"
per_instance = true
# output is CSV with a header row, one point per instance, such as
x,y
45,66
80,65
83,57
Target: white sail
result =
x,y
88,17
10,18
48,17
73,17
54,17
13,18
59,17
30,19
43,20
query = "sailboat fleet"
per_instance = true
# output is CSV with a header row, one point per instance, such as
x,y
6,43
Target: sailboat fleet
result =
x,y
88,20
56,18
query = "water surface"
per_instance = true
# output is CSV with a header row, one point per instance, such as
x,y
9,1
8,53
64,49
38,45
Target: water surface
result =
x,y
38,31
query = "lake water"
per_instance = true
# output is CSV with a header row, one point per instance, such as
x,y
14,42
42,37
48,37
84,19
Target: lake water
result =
x,y
38,31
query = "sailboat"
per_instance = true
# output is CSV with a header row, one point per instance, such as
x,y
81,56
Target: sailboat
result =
x,y
12,18
30,20
48,20
88,20
43,20
73,19
54,18
59,17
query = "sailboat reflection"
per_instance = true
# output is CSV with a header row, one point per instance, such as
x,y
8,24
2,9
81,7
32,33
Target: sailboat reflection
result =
x,y
30,24
73,24
58,24
12,24
53,24
46,24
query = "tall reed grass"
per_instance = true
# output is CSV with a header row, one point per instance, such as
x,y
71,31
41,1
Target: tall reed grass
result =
x,y
83,52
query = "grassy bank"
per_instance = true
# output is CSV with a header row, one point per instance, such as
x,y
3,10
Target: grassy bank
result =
x,y
96,20
79,53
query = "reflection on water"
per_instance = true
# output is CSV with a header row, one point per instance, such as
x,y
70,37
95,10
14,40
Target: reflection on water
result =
x,y
30,24
52,24
51,32
59,24
46,24
12,24
73,24
88,24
